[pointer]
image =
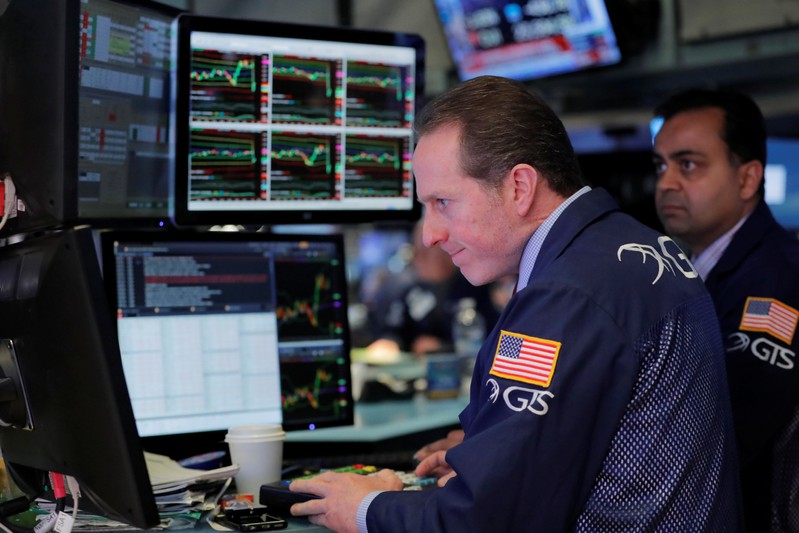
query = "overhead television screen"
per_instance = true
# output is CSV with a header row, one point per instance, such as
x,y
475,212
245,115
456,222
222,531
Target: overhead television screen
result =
x,y
527,40
281,123
782,181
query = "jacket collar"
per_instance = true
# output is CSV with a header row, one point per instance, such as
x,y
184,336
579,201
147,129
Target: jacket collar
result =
x,y
750,234
580,214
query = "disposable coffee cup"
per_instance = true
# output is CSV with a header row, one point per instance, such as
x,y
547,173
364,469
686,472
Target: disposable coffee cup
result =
x,y
258,450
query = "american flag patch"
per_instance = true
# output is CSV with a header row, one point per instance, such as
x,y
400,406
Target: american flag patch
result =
x,y
770,316
524,358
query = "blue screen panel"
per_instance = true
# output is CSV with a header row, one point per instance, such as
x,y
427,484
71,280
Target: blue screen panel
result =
x,y
782,181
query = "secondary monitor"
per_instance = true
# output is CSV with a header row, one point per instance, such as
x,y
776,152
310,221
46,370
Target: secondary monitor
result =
x,y
64,405
219,329
85,95
527,40
282,123
782,181
124,98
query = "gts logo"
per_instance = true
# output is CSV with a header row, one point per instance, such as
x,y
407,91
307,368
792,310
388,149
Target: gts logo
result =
x,y
762,348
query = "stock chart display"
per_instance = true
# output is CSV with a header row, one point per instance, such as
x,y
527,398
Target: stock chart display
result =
x,y
259,321
309,300
314,387
310,309
378,95
227,163
292,123
304,166
225,87
305,91
375,166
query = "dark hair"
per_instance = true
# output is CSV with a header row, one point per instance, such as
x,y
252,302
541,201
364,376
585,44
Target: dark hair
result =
x,y
503,124
744,126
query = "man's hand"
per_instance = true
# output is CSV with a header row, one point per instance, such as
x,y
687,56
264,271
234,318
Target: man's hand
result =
x,y
453,438
341,495
435,465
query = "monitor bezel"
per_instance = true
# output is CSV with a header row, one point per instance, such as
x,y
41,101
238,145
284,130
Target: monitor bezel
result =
x,y
38,34
204,441
130,220
48,183
185,24
56,316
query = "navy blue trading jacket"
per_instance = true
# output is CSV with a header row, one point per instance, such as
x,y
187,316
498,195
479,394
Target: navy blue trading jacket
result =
x,y
599,401
755,287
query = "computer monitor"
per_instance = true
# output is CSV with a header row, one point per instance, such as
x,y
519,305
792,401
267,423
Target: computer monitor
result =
x,y
85,94
65,405
219,329
283,123
782,181
124,166
527,40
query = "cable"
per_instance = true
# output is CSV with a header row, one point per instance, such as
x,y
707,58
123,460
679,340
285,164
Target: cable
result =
x,y
59,491
10,198
10,508
74,489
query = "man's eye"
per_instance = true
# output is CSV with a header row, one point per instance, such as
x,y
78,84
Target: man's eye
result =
x,y
687,166
442,202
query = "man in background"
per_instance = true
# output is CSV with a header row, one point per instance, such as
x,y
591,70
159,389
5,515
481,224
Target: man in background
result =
x,y
598,402
416,315
710,156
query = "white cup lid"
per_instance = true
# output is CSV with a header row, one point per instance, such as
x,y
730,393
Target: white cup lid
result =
x,y
255,432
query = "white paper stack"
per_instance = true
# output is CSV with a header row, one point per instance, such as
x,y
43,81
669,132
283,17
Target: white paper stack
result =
x,y
167,476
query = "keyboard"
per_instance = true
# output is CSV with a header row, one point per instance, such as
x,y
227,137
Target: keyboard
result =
x,y
393,459
278,499
410,481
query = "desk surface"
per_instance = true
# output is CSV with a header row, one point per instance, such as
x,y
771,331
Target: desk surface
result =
x,y
375,425
302,524
385,420
295,524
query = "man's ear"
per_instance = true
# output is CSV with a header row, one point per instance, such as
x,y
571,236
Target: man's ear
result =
x,y
525,181
750,175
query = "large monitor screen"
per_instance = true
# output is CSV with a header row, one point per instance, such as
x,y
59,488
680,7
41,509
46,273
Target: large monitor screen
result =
x,y
527,40
219,329
65,405
280,123
85,110
123,167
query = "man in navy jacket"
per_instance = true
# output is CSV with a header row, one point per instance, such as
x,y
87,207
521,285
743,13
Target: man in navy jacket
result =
x,y
710,156
599,400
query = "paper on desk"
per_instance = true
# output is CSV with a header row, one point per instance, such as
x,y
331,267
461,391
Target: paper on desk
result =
x,y
184,497
166,475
